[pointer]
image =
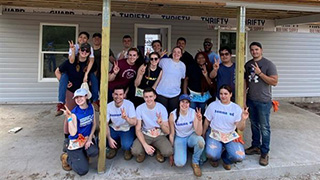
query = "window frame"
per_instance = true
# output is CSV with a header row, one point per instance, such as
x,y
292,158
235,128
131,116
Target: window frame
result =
x,y
42,53
233,31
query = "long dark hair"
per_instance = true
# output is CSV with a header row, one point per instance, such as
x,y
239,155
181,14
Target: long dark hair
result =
x,y
204,84
78,63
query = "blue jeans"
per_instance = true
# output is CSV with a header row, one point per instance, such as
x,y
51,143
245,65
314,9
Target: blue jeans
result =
x,y
126,137
259,113
229,152
180,148
201,105
63,83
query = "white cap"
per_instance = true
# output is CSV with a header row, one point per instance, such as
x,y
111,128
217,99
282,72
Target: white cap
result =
x,y
80,92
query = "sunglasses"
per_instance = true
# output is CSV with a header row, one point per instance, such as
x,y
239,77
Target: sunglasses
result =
x,y
85,49
153,59
207,44
224,54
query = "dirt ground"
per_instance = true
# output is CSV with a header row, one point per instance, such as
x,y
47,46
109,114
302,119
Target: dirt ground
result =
x,y
310,106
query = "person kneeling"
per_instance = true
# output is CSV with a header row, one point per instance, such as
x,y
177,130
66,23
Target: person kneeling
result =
x,y
151,129
185,131
224,117
81,125
122,114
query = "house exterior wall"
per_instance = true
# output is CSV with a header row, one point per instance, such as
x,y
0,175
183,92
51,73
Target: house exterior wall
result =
x,y
295,54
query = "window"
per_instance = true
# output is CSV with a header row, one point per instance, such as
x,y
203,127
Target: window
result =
x,y
54,48
229,38
148,41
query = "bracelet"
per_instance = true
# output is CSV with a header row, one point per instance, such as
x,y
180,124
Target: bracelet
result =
x,y
259,73
69,119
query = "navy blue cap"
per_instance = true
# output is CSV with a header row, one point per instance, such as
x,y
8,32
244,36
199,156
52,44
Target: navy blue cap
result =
x,y
184,97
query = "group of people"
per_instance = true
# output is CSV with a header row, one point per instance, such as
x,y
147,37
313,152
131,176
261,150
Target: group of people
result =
x,y
161,104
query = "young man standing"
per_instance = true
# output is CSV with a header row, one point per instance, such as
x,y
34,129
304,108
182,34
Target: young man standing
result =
x,y
225,71
260,75
151,129
126,41
122,114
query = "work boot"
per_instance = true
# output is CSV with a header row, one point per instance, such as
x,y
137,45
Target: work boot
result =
x,y
96,105
60,106
159,157
65,165
252,150
127,155
214,163
111,153
264,160
196,169
226,166
140,158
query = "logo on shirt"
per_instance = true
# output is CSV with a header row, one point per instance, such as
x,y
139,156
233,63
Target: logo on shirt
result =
x,y
86,120
253,77
129,73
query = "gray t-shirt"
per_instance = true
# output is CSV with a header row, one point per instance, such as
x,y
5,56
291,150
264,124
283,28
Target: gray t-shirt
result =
x,y
258,89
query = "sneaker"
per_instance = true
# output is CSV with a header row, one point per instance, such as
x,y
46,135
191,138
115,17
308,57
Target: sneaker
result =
x,y
60,106
214,163
196,169
65,145
111,153
65,165
159,157
96,105
140,158
226,166
127,155
252,150
264,160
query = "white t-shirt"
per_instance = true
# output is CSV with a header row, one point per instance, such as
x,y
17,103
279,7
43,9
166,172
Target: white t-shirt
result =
x,y
125,55
77,47
173,72
184,125
223,117
149,116
114,114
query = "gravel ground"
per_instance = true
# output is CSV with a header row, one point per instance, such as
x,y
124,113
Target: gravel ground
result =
x,y
310,106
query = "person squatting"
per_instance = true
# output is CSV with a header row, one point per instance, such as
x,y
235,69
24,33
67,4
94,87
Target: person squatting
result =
x,y
161,104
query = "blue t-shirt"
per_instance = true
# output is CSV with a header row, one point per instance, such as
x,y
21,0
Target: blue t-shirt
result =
x,y
226,75
84,121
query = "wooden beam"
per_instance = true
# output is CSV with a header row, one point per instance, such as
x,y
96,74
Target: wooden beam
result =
x,y
240,55
106,16
181,2
298,20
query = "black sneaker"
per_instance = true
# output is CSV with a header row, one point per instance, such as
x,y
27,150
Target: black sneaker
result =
x,y
264,160
252,150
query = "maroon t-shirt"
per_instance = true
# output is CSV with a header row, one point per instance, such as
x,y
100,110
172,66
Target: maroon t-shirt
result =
x,y
126,74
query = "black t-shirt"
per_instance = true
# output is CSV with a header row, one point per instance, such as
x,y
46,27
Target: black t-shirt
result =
x,y
148,81
97,61
75,77
194,74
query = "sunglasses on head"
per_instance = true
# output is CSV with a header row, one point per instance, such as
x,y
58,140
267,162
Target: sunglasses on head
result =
x,y
85,49
224,54
153,59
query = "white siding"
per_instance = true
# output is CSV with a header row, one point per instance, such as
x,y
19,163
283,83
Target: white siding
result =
x,y
19,46
19,55
297,57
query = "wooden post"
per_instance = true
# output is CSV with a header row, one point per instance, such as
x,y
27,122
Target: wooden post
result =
x,y
241,32
105,45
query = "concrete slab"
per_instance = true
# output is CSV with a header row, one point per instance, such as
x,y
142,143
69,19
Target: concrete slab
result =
x,y
33,153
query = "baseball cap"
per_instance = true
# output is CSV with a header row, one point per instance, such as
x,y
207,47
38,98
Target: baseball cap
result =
x,y
184,97
209,40
85,47
80,92
96,34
